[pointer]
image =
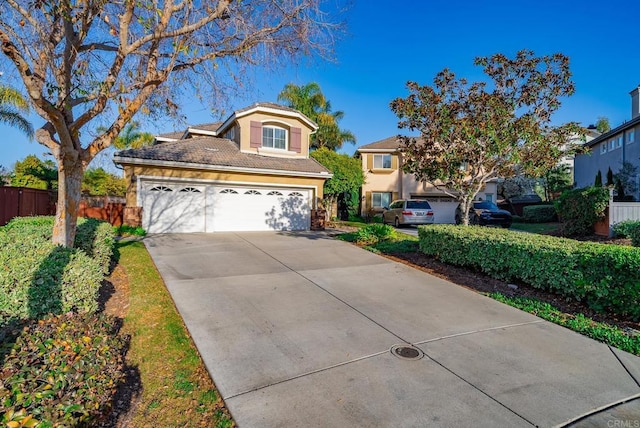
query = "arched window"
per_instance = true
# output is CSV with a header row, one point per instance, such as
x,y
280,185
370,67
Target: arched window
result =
x,y
230,191
161,189
252,192
274,193
190,190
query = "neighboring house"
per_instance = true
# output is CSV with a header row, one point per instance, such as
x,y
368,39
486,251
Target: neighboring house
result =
x,y
250,172
612,148
385,181
569,160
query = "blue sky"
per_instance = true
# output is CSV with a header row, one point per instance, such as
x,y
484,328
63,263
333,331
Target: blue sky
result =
x,y
389,43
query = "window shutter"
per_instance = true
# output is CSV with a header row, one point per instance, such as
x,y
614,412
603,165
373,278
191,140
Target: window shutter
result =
x,y
369,161
368,202
255,138
394,161
295,144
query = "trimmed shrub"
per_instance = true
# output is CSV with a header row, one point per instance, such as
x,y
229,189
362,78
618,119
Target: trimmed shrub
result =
x,y
606,277
96,239
539,213
580,209
39,278
374,233
62,371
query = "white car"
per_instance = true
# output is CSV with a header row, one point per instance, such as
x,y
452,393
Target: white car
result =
x,y
408,211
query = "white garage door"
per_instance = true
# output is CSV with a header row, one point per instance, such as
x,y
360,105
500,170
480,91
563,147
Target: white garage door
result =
x,y
184,208
173,208
253,209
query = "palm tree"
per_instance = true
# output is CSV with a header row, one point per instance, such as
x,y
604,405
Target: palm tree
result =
x,y
12,107
132,138
310,100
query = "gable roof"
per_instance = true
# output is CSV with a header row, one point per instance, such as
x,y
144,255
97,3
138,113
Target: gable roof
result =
x,y
218,153
267,108
388,144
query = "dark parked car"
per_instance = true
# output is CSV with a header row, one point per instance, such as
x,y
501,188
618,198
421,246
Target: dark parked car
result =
x,y
408,211
486,213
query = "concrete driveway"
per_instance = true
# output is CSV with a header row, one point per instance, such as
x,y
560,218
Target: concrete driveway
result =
x,y
297,330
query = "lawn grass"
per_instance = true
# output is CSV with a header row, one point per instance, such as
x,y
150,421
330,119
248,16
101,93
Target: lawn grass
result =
x,y
176,388
539,228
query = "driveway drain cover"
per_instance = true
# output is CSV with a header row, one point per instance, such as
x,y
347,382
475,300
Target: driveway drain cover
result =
x,y
406,352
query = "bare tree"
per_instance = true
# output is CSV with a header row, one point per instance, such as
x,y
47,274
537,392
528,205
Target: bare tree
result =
x,y
100,62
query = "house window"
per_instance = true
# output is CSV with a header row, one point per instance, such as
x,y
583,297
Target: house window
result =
x,y
274,137
620,140
612,144
382,161
380,199
603,147
631,135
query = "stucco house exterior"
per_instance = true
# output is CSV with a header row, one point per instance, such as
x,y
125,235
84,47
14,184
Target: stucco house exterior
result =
x,y
609,150
250,172
385,181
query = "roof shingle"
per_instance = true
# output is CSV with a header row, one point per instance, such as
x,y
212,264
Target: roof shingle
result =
x,y
214,151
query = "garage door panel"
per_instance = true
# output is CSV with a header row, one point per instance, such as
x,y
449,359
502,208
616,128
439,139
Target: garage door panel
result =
x,y
173,208
255,209
184,208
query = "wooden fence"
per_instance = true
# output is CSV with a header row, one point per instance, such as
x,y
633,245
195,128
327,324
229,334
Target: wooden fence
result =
x,y
110,211
24,202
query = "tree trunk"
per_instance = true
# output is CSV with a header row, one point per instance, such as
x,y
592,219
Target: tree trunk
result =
x,y
69,192
465,205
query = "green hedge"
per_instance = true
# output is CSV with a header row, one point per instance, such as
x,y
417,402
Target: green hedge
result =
x,y
61,371
539,213
606,277
38,278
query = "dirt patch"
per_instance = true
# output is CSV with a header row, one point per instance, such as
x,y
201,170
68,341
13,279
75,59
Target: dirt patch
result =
x,y
114,300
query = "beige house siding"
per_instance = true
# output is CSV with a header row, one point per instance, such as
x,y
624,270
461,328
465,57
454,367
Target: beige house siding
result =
x,y
134,172
404,186
286,122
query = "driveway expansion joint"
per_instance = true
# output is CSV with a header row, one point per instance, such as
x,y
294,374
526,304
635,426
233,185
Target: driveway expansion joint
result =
x,y
625,367
482,330
601,409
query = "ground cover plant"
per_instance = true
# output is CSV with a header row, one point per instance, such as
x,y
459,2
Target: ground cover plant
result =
x,y
60,371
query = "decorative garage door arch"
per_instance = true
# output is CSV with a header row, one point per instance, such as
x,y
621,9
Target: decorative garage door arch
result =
x,y
197,207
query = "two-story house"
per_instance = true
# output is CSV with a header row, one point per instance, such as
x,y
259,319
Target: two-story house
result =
x,y
250,172
611,149
385,181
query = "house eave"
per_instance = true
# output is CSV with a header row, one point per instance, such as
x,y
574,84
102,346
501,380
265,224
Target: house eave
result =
x,y
189,165
614,131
